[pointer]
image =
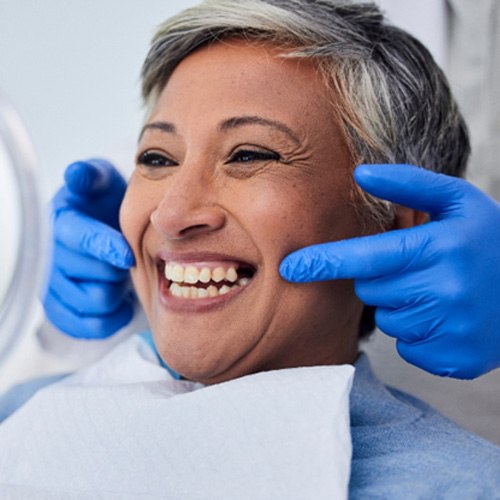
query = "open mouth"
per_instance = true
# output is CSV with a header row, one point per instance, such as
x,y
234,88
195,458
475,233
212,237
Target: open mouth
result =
x,y
201,280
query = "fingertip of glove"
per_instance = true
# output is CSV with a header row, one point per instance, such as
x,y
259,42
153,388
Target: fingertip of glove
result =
x,y
80,177
128,259
88,176
287,270
374,171
121,257
363,169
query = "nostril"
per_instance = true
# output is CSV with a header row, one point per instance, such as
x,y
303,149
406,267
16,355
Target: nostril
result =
x,y
195,229
177,221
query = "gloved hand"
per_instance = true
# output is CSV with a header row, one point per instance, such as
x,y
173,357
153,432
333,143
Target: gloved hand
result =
x,y
436,287
89,293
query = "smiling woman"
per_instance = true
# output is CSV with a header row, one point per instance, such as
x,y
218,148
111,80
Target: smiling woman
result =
x,y
258,112
233,188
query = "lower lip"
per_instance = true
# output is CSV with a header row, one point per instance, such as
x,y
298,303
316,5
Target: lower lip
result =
x,y
180,304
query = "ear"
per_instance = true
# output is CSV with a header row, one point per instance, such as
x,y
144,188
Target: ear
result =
x,y
405,217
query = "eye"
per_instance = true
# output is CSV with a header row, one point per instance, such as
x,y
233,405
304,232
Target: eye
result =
x,y
154,159
253,155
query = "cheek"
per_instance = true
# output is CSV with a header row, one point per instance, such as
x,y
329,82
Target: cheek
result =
x,y
134,219
286,217
135,212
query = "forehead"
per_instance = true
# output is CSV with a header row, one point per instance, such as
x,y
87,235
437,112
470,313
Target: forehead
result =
x,y
236,77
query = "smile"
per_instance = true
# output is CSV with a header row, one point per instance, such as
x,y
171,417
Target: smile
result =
x,y
205,281
202,280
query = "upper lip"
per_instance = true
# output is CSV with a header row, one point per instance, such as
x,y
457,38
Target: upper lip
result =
x,y
186,257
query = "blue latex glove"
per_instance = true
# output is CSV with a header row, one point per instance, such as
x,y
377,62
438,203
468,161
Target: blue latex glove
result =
x,y
436,287
89,293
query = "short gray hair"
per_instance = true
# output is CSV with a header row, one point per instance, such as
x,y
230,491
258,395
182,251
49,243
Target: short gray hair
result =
x,y
392,100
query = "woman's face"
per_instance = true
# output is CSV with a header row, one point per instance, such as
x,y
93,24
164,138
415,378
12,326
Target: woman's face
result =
x,y
240,163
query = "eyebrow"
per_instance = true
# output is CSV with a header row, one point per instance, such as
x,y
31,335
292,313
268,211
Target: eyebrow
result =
x,y
241,121
231,123
166,127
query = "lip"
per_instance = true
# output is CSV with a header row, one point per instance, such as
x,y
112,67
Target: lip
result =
x,y
185,257
179,304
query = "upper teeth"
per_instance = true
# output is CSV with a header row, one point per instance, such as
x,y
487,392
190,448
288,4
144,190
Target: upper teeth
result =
x,y
191,274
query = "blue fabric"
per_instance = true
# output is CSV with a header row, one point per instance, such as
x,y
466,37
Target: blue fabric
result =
x,y
402,448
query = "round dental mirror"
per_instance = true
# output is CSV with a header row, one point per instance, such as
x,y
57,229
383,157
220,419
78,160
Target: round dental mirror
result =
x,y
22,229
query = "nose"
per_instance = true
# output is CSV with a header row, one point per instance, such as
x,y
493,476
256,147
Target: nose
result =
x,y
189,207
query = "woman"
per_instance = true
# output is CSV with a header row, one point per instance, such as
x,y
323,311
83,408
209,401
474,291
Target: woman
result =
x,y
352,107
258,112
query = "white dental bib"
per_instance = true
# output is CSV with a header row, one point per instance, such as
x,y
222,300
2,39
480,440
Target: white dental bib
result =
x,y
124,428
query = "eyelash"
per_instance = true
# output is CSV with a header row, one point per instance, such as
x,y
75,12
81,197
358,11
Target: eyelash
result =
x,y
251,155
154,159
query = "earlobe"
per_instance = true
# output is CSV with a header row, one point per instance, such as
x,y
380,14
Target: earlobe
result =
x,y
405,217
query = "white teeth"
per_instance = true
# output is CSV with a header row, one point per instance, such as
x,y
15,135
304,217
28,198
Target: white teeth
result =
x,y
193,292
205,275
231,275
168,272
177,273
218,274
191,275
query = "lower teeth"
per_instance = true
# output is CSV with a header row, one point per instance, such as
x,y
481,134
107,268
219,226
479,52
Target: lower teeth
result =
x,y
193,292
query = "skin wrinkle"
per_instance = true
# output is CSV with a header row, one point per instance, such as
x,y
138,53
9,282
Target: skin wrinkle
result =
x,y
259,218
295,155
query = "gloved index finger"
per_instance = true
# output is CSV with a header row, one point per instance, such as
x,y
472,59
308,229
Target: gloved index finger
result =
x,y
83,234
440,195
364,257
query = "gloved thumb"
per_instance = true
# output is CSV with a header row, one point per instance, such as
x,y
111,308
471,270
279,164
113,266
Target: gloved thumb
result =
x,y
94,177
93,187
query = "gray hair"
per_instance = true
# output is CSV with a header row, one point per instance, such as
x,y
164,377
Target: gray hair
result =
x,y
392,100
